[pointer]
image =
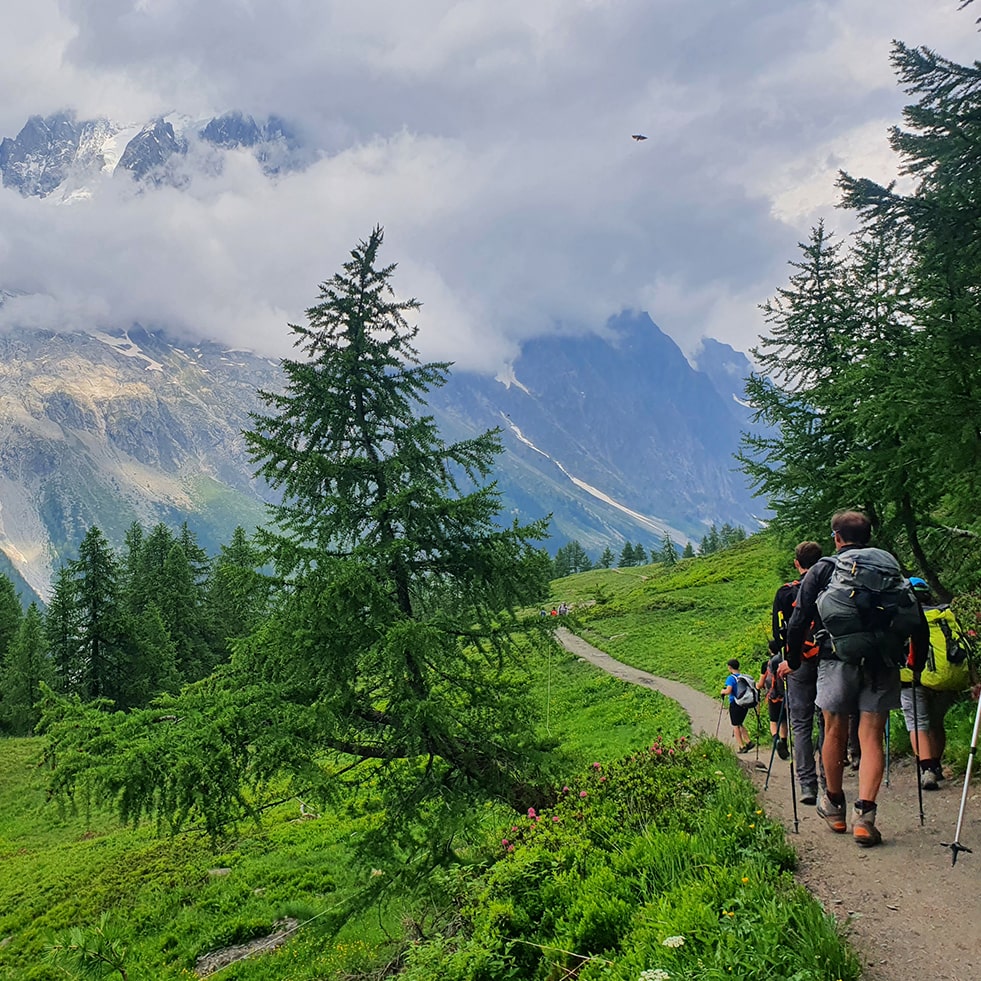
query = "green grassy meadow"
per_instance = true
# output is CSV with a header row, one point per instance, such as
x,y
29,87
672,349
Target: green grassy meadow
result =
x,y
650,839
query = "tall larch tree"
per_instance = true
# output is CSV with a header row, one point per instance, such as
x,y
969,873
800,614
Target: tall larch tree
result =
x,y
394,656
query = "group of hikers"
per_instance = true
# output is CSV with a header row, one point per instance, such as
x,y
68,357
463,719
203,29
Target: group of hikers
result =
x,y
852,639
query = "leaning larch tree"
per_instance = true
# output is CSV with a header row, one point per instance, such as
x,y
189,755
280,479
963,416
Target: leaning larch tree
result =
x,y
392,658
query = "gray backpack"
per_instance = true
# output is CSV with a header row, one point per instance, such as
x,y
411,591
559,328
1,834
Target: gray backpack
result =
x,y
868,608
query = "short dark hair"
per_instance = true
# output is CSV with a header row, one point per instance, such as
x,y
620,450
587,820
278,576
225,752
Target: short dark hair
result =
x,y
807,553
733,663
852,527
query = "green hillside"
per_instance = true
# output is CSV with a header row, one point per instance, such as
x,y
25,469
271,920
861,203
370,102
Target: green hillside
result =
x,y
609,854
683,621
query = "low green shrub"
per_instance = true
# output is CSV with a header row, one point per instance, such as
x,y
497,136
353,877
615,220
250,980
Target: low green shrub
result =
x,y
660,862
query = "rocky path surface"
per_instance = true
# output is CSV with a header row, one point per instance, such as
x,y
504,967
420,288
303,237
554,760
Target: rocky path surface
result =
x,y
907,913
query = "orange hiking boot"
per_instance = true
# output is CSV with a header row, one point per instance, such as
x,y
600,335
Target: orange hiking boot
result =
x,y
833,814
864,830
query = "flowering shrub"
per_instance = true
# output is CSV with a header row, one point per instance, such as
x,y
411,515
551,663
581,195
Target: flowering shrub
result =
x,y
656,866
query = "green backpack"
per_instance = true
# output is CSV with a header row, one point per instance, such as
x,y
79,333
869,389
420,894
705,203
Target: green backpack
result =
x,y
868,607
948,665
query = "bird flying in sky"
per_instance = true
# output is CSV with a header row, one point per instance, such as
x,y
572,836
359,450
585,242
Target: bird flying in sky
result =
x,y
638,137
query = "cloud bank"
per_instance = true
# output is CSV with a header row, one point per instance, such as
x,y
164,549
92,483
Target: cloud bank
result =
x,y
491,139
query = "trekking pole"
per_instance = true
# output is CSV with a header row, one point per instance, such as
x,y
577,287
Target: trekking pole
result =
x,y
722,708
790,744
916,752
887,748
759,734
955,846
773,748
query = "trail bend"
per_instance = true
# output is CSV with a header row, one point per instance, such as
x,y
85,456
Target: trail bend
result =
x,y
907,913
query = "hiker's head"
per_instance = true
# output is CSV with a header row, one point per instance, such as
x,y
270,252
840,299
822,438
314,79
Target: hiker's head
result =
x,y
806,554
733,663
921,589
850,528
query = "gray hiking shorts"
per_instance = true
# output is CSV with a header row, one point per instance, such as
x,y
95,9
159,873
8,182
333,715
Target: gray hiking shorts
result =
x,y
850,688
931,708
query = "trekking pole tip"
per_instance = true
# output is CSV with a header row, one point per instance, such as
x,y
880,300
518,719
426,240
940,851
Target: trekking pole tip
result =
x,y
955,847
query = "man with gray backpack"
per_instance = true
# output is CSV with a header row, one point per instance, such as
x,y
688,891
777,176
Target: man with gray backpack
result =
x,y
859,600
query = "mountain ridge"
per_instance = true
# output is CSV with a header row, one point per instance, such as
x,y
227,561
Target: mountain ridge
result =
x,y
106,428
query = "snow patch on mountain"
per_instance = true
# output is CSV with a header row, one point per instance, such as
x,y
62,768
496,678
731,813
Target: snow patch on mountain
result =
x,y
654,524
125,346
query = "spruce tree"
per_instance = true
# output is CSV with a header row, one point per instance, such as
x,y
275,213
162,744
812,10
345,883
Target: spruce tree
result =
x,y
10,615
26,667
62,631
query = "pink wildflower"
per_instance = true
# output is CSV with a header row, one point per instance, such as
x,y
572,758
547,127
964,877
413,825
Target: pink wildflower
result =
x,y
602,779
505,842
555,819
582,793
532,814
597,766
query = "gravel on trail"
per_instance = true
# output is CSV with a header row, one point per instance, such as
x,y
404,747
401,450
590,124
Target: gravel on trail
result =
x,y
906,911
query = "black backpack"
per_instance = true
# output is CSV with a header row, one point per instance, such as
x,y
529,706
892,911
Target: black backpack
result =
x,y
868,607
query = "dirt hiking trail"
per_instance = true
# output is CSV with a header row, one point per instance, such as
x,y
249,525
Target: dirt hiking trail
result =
x,y
906,912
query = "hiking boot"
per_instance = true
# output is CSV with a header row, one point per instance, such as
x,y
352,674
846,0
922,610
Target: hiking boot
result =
x,y
833,814
809,795
864,830
928,780
782,751
746,748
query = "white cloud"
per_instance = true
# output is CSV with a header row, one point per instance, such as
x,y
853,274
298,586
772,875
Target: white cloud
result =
x,y
489,137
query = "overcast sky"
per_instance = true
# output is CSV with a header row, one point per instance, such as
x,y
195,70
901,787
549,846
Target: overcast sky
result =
x,y
491,139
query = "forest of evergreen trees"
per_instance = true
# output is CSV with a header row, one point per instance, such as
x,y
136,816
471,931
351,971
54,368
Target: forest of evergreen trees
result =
x,y
572,557
128,626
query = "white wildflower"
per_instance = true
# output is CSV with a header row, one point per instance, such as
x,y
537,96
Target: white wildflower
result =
x,y
673,941
654,974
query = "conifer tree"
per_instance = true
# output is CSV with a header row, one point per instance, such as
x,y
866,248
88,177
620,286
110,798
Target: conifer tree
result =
x,y
62,631
394,653
26,667
669,553
10,615
689,551
237,594
104,651
607,558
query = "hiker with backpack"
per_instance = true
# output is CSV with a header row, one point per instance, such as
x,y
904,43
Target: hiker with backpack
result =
x,y
773,690
801,681
860,599
743,696
947,673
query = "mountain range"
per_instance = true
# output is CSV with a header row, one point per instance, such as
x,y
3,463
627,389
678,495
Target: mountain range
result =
x,y
615,433
617,441
60,154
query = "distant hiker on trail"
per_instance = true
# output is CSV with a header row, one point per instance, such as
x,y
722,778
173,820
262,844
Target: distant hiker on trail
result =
x,y
802,682
563,609
947,673
774,691
861,599
738,710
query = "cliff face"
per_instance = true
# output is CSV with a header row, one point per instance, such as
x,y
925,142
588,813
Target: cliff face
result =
x,y
106,430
